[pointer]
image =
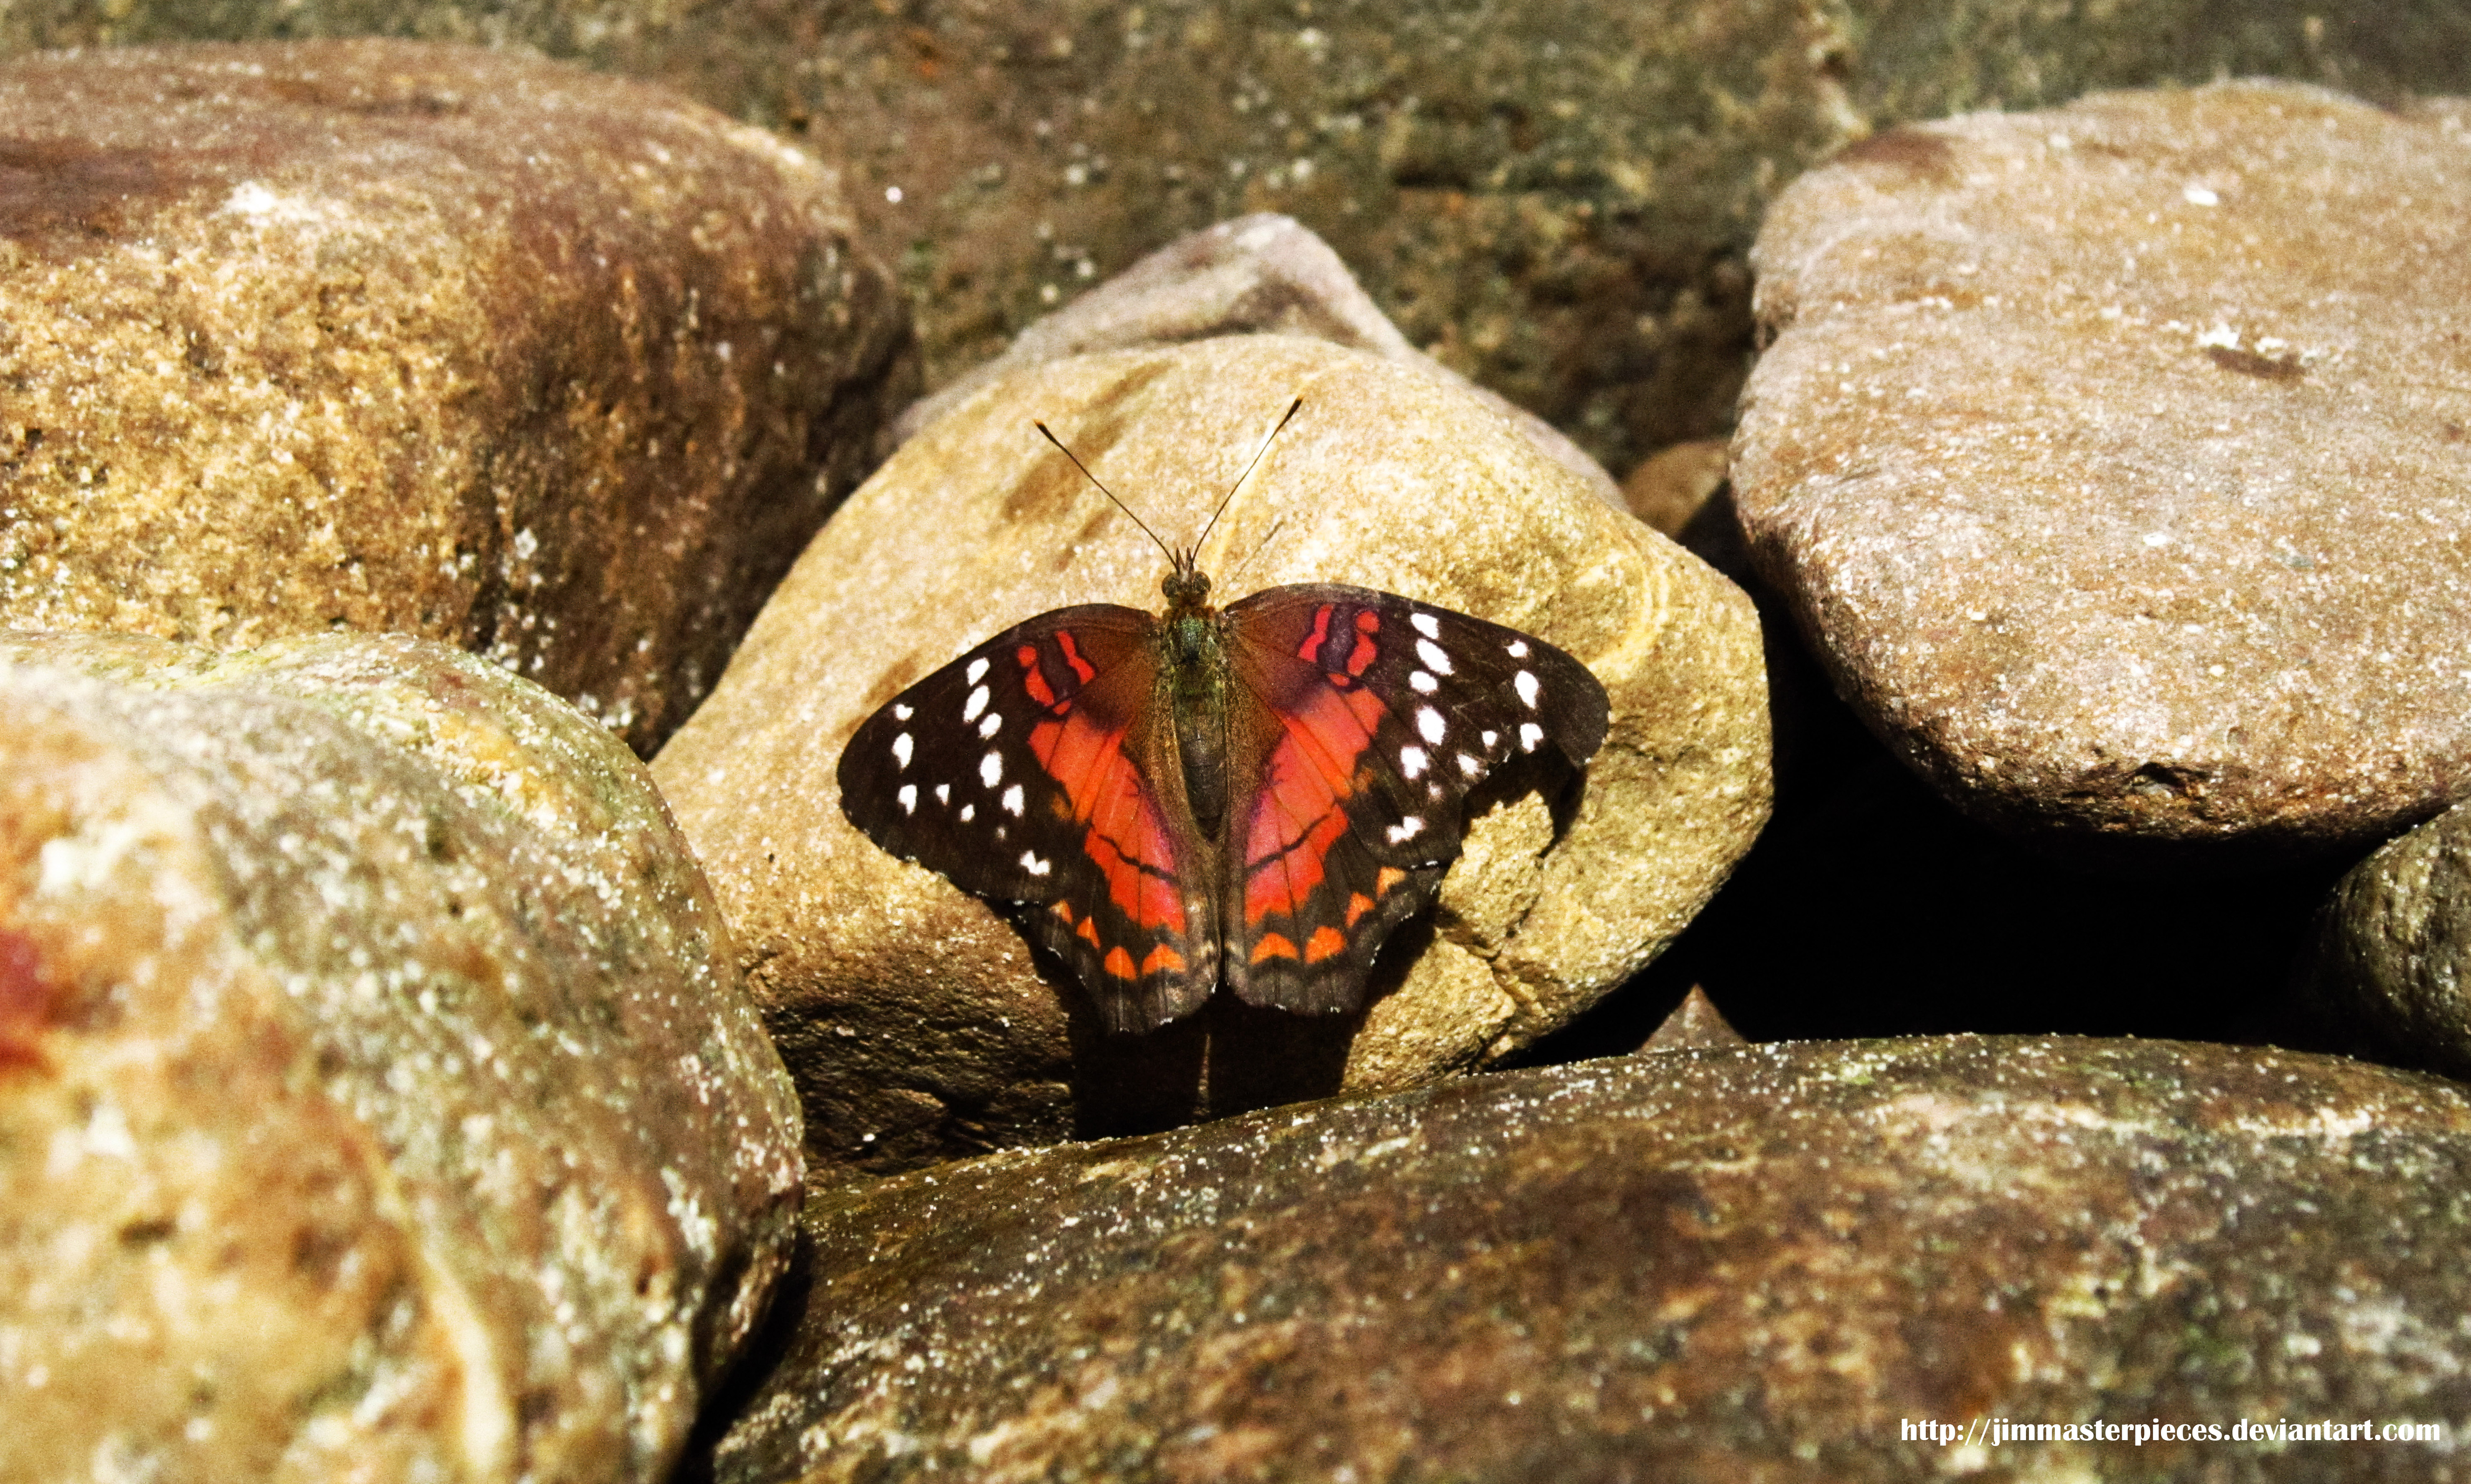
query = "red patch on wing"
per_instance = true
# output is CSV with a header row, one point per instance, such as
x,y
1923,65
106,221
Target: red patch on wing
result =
x,y
1313,644
1073,655
1033,679
1366,650
1125,834
1311,771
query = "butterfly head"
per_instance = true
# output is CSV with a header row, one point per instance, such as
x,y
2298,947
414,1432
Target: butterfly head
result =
x,y
1186,585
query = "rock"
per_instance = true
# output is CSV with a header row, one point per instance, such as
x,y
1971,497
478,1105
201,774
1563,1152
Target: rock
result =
x,y
2115,458
1263,274
2392,964
1695,1024
378,1098
1555,198
369,335
1672,489
918,1024
1706,1265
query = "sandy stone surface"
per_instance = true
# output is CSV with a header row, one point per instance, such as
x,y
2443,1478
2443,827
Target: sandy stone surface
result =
x,y
552,367
1263,274
917,1022
378,1097
2392,954
1710,1265
2115,458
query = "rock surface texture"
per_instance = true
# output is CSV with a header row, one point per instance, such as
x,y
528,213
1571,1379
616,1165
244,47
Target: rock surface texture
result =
x,y
2393,949
1262,273
918,1023
376,336
1699,1266
2118,460
378,1100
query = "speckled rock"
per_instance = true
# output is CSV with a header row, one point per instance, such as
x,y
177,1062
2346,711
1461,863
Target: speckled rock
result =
x,y
378,1100
1554,196
2392,957
1754,1264
1262,273
917,1022
2116,458
377,336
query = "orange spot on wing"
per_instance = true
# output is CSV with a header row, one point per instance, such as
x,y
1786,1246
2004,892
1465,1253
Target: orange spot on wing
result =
x,y
1320,632
1325,943
1162,957
1088,928
1062,909
1073,656
1367,650
1119,963
1357,905
1390,876
1273,946
1033,679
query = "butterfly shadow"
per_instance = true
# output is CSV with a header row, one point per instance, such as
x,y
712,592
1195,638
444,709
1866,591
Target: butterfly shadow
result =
x,y
1229,1057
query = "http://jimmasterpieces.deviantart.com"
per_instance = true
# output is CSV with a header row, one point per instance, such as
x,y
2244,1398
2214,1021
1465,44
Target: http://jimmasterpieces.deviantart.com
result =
x,y
1981,1432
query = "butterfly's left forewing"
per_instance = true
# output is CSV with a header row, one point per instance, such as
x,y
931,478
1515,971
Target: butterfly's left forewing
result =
x,y
1373,717
1029,770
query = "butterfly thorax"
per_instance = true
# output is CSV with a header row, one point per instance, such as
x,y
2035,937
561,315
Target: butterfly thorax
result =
x,y
1195,680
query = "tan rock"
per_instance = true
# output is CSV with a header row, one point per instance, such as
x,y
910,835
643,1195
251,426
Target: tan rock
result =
x,y
1262,273
1750,1263
2115,458
378,1100
2390,971
368,335
917,1021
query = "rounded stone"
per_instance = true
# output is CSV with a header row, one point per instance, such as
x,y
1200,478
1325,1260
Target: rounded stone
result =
x,y
919,1023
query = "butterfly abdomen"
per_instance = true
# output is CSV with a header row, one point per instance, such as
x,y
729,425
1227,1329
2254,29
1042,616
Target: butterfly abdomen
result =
x,y
1195,680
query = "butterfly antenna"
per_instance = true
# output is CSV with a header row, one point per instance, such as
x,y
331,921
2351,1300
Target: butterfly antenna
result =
x,y
1272,534
1292,409
1104,490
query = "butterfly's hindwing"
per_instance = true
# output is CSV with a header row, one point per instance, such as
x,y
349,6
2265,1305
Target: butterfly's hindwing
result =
x,y
1375,716
1028,771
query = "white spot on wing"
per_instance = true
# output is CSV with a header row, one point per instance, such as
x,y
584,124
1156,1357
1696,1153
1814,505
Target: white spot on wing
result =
x,y
977,670
908,797
1529,735
991,769
1527,688
1518,649
1030,862
977,703
1412,761
1405,830
1471,766
901,712
969,812
943,793
1425,625
1424,683
1489,738
1012,801
1429,722
901,746
989,726
1435,658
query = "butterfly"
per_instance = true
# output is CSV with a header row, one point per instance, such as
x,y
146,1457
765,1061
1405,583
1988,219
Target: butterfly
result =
x,y
1250,796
